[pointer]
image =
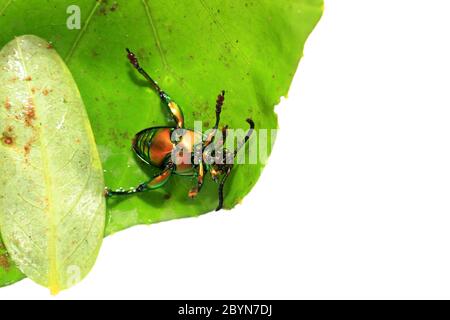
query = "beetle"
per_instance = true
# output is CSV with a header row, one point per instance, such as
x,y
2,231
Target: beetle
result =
x,y
180,151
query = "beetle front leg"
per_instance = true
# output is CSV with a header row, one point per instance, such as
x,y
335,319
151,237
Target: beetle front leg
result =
x,y
221,186
199,182
174,109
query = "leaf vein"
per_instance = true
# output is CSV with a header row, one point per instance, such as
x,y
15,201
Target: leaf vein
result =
x,y
82,32
2,11
222,30
31,203
20,227
82,240
79,195
155,32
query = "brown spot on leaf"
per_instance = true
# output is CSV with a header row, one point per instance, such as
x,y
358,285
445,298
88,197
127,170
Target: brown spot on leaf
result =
x,y
46,91
125,135
50,45
8,136
8,140
103,7
30,113
114,6
7,104
29,78
27,147
4,262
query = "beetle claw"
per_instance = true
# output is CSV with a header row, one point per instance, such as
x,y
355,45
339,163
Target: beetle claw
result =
x,y
107,193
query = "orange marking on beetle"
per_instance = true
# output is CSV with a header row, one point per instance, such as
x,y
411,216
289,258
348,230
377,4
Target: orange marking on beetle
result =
x,y
166,174
185,148
193,193
161,146
175,110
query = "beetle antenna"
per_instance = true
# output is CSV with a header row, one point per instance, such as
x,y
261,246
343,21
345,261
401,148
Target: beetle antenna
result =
x,y
219,105
247,136
224,134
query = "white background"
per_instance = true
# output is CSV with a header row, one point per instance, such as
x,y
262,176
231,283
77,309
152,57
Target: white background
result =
x,y
355,200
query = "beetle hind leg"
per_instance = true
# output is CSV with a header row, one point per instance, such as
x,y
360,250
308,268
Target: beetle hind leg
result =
x,y
156,182
174,109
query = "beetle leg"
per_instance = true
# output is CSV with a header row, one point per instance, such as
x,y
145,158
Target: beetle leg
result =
x,y
199,183
174,109
221,185
156,182
247,136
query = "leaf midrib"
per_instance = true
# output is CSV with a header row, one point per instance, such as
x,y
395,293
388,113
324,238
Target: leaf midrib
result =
x,y
53,281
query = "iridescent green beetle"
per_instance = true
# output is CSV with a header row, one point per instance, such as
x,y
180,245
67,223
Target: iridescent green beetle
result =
x,y
175,150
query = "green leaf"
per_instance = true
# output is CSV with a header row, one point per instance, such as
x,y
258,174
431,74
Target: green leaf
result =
x,y
193,49
9,273
52,208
